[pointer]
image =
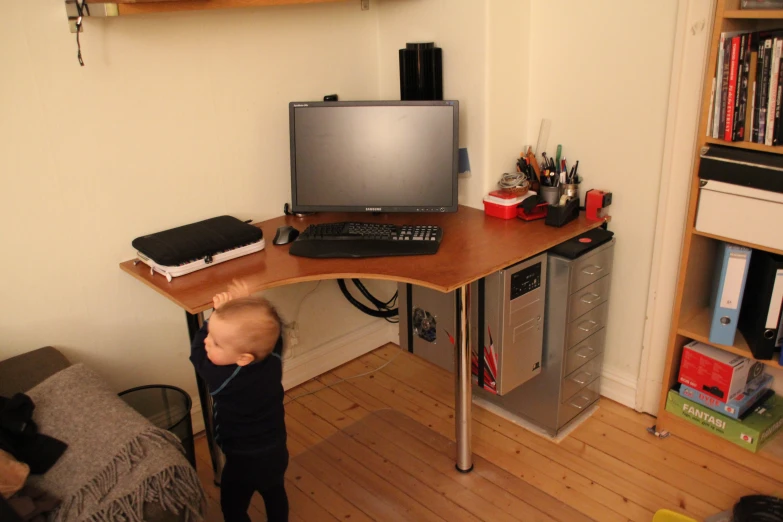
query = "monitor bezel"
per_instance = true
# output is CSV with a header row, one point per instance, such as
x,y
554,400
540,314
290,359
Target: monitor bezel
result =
x,y
297,208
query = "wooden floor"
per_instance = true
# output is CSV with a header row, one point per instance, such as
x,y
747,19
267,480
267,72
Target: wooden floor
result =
x,y
381,447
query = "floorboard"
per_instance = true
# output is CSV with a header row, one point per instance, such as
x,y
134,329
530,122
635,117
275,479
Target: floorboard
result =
x,y
381,447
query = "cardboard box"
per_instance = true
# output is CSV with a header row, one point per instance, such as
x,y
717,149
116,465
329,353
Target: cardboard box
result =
x,y
735,407
718,373
751,433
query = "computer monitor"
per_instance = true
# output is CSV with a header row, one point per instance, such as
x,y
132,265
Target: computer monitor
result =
x,y
374,156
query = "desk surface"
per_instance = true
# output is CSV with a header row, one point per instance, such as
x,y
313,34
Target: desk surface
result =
x,y
473,246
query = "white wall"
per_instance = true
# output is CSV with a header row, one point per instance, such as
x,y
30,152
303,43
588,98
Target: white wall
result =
x,y
174,118
485,56
603,80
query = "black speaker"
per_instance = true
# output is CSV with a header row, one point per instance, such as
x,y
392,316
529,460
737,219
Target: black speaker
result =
x,y
421,72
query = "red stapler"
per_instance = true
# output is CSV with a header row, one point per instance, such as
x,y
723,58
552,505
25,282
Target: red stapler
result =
x,y
595,200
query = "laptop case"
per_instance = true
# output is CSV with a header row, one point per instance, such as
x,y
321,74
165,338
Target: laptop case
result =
x,y
179,251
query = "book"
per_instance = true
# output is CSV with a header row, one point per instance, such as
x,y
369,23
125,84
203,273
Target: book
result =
x,y
743,79
764,94
731,95
719,86
773,90
750,120
724,89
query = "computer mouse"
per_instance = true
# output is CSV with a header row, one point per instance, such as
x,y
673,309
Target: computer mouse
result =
x,y
285,235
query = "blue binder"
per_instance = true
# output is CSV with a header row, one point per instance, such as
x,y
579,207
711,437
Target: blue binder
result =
x,y
731,272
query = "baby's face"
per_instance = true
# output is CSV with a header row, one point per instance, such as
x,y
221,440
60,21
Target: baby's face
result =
x,y
224,341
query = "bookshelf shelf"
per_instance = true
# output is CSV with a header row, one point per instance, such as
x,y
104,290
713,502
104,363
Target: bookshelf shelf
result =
x,y
739,242
697,328
754,14
749,145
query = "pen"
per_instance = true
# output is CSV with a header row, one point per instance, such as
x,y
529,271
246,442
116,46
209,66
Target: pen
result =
x,y
559,151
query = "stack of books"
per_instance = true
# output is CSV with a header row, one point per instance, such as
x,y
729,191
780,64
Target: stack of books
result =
x,y
746,88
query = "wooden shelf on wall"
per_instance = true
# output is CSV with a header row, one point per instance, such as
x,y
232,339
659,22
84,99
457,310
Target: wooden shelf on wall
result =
x,y
201,5
740,242
748,145
755,14
697,328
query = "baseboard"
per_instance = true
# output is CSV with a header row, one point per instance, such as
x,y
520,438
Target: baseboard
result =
x,y
328,356
618,387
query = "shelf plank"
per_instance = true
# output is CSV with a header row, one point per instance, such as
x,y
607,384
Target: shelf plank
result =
x,y
739,242
201,5
768,460
747,145
760,14
698,329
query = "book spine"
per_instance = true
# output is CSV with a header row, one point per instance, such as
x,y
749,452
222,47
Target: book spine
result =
x,y
724,89
757,89
764,97
740,128
731,97
739,105
773,92
750,119
776,131
718,87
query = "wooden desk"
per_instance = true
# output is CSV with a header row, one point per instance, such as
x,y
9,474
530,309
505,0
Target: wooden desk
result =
x,y
473,246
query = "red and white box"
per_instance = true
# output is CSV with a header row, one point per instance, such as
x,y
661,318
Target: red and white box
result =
x,y
502,204
720,374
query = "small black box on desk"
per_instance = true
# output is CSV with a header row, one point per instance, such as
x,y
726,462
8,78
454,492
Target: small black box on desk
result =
x,y
559,215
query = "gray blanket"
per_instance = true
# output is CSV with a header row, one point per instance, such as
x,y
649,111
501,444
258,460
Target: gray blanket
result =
x,y
116,460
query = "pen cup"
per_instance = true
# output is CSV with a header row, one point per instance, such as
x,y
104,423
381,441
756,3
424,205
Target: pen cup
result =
x,y
550,194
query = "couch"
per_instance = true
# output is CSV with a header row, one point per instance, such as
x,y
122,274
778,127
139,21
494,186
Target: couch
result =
x,y
23,372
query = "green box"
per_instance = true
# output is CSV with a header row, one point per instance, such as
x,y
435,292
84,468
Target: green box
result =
x,y
751,433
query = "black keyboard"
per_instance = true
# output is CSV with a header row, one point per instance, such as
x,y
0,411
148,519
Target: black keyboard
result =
x,y
351,239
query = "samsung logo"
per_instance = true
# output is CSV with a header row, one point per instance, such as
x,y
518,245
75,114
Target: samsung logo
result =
x,y
301,105
372,209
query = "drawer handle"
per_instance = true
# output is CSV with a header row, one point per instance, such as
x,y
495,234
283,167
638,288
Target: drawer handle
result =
x,y
581,402
582,378
587,326
585,352
590,298
592,270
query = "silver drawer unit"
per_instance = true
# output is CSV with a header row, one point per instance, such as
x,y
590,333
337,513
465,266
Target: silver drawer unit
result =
x,y
575,317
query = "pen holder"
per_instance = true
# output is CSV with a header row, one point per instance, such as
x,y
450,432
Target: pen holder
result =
x,y
559,215
549,194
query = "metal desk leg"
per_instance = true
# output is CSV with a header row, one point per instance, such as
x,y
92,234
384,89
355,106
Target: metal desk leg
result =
x,y
463,397
194,325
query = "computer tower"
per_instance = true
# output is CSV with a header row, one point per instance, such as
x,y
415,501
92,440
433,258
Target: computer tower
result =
x,y
509,306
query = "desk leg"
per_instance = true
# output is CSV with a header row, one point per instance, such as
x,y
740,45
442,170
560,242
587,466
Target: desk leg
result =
x,y
463,397
195,322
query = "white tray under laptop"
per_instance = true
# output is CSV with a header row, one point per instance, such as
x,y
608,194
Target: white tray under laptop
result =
x,y
171,272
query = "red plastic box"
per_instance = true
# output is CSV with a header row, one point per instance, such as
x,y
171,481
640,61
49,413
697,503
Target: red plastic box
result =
x,y
501,205
720,374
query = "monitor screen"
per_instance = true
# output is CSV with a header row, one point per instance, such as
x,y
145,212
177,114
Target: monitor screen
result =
x,y
381,156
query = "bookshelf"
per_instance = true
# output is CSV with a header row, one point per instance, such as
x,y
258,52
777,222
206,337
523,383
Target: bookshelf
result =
x,y
691,316
133,8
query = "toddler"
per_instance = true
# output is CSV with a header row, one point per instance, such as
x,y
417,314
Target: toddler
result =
x,y
238,354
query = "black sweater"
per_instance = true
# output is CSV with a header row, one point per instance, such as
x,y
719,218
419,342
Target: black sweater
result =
x,y
248,411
